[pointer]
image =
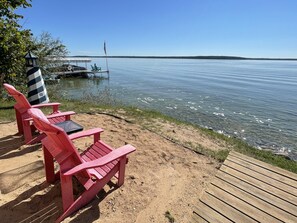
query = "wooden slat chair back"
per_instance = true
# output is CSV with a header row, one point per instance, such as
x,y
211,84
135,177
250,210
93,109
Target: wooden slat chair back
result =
x,y
57,143
93,168
23,119
22,103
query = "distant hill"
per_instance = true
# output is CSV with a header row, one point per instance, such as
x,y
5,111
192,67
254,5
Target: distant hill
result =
x,y
189,57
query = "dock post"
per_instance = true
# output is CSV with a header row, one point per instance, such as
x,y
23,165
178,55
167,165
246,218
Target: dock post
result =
x,y
106,59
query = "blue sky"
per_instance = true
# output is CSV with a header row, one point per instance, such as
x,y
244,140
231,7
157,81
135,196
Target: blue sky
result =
x,y
250,28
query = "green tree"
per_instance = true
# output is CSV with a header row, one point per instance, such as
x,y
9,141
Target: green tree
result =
x,y
48,48
14,42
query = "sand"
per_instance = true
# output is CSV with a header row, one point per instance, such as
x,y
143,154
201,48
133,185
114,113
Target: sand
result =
x,y
161,176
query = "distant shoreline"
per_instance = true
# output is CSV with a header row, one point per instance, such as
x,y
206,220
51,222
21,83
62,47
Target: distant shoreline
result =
x,y
188,57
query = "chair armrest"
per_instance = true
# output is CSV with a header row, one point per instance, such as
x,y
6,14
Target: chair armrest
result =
x,y
89,132
56,115
60,114
113,155
55,106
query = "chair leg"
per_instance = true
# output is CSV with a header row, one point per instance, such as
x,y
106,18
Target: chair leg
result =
x,y
27,131
49,166
67,191
96,137
19,121
86,196
55,109
121,177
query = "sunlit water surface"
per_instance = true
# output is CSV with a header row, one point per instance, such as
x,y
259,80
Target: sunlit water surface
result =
x,y
252,100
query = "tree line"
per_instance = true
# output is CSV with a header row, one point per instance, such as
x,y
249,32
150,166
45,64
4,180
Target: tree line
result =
x,y
15,42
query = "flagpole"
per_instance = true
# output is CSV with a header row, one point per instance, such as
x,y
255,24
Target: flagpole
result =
x,y
106,59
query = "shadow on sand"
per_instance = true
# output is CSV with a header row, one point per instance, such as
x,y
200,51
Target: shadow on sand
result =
x,y
42,202
37,201
11,142
13,146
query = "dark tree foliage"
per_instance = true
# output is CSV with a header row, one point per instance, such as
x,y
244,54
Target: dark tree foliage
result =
x,y
14,43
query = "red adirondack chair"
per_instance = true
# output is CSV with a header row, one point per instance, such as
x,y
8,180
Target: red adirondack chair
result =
x,y
24,121
93,168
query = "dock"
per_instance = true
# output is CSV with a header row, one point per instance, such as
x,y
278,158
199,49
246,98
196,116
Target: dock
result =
x,y
248,190
76,71
83,73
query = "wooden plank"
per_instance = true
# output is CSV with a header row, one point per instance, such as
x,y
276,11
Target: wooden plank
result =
x,y
264,171
254,201
265,187
262,178
224,209
259,193
197,219
248,190
241,206
275,169
208,214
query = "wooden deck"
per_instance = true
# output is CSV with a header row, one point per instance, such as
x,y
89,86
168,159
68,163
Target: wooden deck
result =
x,y
248,190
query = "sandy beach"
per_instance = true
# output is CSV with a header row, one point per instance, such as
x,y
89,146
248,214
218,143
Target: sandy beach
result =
x,y
161,175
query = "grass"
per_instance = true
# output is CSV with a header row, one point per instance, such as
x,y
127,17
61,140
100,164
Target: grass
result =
x,y
265,156
6,111
219,155
169,217
145,117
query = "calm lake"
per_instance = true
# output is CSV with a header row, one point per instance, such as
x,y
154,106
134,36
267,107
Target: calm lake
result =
x,y
253,100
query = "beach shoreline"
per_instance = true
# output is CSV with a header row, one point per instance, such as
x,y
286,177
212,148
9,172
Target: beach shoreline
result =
x,y
161,176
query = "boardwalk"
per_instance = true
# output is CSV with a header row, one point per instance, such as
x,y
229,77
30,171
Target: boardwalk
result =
x,y
248,190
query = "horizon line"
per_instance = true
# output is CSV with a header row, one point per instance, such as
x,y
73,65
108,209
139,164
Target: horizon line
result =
x,y
190,57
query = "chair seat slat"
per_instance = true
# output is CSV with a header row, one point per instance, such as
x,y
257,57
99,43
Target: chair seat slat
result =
x,y
98,155
96,149
101,173
104,148
92,157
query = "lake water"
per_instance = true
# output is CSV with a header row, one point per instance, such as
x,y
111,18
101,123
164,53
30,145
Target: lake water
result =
x,y
253,100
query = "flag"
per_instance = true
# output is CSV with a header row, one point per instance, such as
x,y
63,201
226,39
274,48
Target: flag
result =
x,y
104,47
